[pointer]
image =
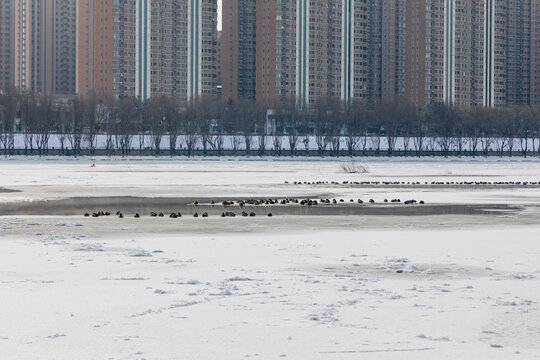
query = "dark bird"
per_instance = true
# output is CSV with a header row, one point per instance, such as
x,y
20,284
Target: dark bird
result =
x,y
205,215
87,214
137,216
153,214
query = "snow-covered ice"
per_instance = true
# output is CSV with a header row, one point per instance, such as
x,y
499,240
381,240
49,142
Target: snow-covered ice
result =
x,y
440,286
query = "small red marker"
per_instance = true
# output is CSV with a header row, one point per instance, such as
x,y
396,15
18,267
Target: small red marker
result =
x,y
93,165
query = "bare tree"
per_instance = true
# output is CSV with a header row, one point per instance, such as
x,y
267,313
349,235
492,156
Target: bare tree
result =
x,y
353,117
154,121
29,110
96,114
388,114
210,122
523,126
335,145
375,126
474,117
503,129
409,114
486,132
277,142
64,118
327,112
443,118
172,115
261,127
190,128
47,118
420,129
460,136
291,118
75,125
534,122
248,124
127,119
8,113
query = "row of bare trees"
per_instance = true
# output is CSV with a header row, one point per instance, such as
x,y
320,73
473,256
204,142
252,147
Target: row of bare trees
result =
x,y
337,128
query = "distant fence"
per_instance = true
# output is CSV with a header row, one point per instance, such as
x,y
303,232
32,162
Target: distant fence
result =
x,y
310,146
267,153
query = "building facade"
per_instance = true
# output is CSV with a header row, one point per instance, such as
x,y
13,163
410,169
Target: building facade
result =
x,y
472,53
513,46
299,51
238,49
143,48
38,46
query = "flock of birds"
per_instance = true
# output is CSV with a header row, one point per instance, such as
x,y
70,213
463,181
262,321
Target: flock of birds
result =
x,y
418,183
173,215
316,202
256,202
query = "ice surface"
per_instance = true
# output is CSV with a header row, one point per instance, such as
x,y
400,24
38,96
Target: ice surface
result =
x,y
299,287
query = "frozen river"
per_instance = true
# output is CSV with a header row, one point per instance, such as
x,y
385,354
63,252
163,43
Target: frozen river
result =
x,y
455,277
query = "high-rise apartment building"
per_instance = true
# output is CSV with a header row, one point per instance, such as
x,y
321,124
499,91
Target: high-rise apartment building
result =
x,y
513,48
310,50
6,45
481,52
87,47
424,52
465,46
281,69
475,52
356,50
148,47
387,48
299,50
218,63
238,49
38,43
59,44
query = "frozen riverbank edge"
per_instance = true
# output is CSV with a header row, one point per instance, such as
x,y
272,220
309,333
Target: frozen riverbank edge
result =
x,y
254,158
